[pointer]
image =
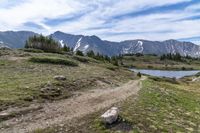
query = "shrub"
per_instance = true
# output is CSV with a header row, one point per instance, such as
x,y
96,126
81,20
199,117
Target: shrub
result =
x,y
164,79
81,59
175,57
150,67
53,61
66,49
115,62
183,68
111,67
91,54
139,54
139,74
198,74
80,53
33,50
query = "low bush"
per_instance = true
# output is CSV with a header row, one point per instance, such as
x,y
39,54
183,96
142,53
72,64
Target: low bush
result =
x,y
80,53
159,79
81,59
33,50
198,74
139,74
150,67
53,61
112,67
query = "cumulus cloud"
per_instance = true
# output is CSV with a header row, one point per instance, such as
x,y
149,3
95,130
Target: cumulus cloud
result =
x,y
110,19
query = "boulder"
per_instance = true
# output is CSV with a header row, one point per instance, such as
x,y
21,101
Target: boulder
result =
x,y
60,77
196,79
110,116
4,115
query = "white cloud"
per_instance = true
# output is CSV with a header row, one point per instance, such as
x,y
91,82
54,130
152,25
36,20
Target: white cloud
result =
x,y
150,26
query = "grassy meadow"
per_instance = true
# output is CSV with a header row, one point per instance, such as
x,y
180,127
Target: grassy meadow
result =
x,y
162,105
23,74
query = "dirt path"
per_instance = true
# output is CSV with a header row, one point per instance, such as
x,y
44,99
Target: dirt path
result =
x,y
64,110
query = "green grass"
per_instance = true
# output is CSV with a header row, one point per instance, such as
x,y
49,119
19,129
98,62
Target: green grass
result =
x,y
22,79
53,60
32,50
81,59
164,107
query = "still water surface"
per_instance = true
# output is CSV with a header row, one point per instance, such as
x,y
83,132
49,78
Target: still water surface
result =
x,y
166,73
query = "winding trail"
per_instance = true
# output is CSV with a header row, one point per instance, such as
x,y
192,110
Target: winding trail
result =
x,y
72,108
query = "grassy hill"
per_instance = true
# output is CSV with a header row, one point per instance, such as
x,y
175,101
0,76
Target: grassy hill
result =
x,y
162,105
24,75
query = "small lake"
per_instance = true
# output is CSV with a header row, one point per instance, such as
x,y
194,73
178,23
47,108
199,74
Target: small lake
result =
x,y
166,73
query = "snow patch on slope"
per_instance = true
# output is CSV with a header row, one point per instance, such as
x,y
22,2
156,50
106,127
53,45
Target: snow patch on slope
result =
x,y
134,48
85,47
173,49
140,46
61,42
125,50
78,44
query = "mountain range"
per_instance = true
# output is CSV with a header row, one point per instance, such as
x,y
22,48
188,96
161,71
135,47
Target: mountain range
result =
x,y
86,43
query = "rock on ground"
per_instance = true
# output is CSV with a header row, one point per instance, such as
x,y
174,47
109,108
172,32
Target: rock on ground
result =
x,y
196,79
60,77
110,116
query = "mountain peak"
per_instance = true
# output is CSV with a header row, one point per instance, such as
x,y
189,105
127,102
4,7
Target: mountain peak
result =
x,y
84,43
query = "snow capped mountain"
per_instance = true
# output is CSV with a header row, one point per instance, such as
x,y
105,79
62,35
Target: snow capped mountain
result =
x,y
87,43
82,43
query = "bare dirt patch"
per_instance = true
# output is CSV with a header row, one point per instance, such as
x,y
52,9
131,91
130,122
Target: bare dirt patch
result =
x,y
69,109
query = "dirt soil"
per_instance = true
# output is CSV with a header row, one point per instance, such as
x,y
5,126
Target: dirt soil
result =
x,y
58,112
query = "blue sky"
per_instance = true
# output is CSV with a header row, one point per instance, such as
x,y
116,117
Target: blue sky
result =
x,y
113,20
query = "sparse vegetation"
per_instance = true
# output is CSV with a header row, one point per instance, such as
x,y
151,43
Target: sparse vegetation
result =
x,y
53,60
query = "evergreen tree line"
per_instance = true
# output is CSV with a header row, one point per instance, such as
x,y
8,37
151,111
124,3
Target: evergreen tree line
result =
x,y
115,60
175,57
67,49
98,56
47,44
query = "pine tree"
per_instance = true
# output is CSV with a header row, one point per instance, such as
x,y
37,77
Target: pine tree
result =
x,y
80,53
65,48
